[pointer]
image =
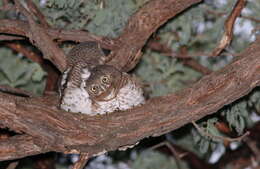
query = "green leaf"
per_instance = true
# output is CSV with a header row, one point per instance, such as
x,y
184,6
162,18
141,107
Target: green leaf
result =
x,y
204,145
17,71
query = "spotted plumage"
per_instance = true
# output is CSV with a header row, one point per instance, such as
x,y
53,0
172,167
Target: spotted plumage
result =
x,y
80,59
87,54
92,88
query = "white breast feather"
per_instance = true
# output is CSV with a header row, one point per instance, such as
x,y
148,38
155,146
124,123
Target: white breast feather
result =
x,y
85,74
64,77
76,100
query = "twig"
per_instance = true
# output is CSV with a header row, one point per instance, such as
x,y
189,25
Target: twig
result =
x,y
39,36
13,165
171,148
254,148
163,48
187,60
203,133
10,38
24,51
15,91
193,63
197,66
229,24
250,18
33,8
241,16
83,159
185,155
52,129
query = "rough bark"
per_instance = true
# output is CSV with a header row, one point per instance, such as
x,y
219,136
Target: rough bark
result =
x,y
140,27
55,130
42,127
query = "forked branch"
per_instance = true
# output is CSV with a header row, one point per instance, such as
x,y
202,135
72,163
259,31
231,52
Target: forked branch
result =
x,y
54,130
42,127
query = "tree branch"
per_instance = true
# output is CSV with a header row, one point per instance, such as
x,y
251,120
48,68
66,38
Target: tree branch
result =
x,y
187,60
56,130
126,50
140,27
42,40
42,127
229,24
9,147
21,28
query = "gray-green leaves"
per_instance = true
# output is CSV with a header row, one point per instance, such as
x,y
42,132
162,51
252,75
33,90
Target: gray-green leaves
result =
x,y
17,71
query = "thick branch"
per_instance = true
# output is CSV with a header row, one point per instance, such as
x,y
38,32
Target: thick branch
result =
x,y
126,50
17,27
141,25
26,143
57,130
33,8
42,40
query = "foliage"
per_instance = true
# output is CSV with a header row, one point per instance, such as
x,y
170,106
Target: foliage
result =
x,y
254,101
17,71
238,117
206,142
96,16
155,160
164,74
199,29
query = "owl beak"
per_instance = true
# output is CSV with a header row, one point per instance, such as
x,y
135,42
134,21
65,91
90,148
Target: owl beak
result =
x,y
109,95
103,88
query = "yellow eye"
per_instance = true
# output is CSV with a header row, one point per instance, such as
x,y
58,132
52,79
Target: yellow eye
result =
x,y
94,89
105,79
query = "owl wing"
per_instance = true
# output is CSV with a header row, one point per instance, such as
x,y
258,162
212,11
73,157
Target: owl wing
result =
x,y
74,97
80,60
88,53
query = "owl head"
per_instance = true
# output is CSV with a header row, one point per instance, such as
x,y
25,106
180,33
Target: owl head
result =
x,y
104,82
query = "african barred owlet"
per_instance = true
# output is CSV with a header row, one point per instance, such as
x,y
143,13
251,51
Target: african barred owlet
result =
x,y
91,87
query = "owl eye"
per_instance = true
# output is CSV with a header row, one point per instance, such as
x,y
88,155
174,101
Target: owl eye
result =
x,y
105,79
94,89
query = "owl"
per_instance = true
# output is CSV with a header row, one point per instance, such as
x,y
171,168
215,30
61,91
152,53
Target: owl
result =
x,y
80,59
111,90
98,88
